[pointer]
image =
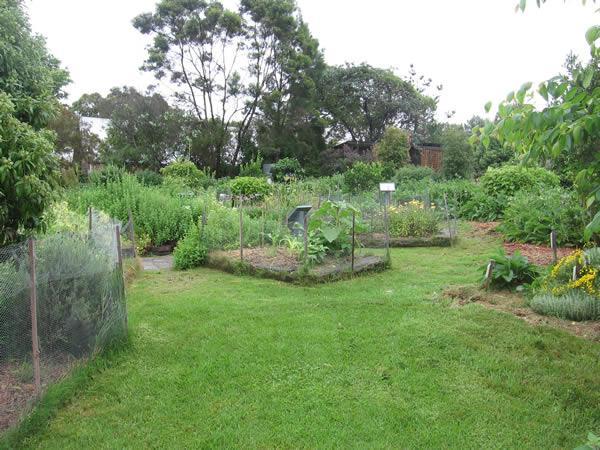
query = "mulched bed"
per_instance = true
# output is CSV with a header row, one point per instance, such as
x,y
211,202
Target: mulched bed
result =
x,y
537,254
279,264
514,303
17,389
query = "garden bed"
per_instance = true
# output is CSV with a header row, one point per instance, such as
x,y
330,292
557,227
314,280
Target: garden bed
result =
x,y
377,240
277,263
515,304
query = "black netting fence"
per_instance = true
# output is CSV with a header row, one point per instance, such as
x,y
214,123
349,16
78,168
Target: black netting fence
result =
x,y
61,300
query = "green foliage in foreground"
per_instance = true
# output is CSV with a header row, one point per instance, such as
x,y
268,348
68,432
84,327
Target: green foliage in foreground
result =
x,y
512,271
222,361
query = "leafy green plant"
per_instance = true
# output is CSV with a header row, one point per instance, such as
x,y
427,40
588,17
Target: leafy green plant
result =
x,y
363,176
511,271
531,216
191,251
250,187
506,181
187,171
332,223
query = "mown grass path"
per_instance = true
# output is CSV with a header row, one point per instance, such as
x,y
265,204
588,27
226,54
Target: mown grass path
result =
x,y
223,361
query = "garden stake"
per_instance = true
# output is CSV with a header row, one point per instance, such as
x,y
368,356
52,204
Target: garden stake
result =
x,y
35,345
489,272
553,246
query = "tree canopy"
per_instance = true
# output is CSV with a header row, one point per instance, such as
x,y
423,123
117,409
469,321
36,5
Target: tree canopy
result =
x,y
31,82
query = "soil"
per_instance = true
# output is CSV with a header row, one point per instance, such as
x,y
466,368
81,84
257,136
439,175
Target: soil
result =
x,y
514,303
540,255
272,258
17,389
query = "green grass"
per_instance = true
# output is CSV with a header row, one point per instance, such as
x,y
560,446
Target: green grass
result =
x,y
217,360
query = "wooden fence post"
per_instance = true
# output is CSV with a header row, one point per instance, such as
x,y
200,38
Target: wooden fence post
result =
x,y
353,239
35,344
132,231
241,229
553,246
305,237
448,219
120,267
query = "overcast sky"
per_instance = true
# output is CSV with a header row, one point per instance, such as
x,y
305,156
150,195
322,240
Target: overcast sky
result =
x,y
478,49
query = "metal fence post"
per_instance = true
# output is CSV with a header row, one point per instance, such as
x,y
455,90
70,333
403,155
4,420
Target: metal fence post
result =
x,y
35,345
306,237
387,226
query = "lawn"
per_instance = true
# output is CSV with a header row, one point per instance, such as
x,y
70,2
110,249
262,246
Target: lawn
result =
x,y
380,361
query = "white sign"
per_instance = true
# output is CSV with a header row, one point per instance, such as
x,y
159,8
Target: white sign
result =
x,y
387,187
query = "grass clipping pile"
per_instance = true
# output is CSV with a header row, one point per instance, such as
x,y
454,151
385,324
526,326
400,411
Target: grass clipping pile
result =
x,y
515,303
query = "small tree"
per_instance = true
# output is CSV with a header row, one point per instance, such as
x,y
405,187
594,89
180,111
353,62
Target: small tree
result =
x,y
392,150
458,153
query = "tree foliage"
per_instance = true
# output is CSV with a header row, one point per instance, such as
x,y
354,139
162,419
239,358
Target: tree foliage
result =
x,y
361,102
392,150
31,82
457,152
568,125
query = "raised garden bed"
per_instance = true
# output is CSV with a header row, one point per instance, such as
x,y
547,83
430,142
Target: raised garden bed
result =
x,y
276,263
377,240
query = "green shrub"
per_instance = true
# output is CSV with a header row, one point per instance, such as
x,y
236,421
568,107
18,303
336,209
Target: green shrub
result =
x,y
412,172
512,271
287,168
363,177
187,171
412,220
191,251
78,297
531,216
507,180
250,187
572,305
483,207
458,192
157,213
392,149
149,177
253,168
457,153
108,174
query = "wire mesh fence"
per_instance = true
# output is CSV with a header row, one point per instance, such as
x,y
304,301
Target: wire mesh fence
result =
x,y
240,226
61,300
